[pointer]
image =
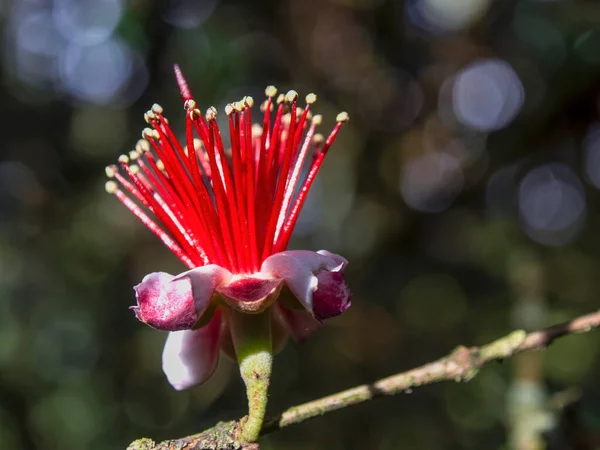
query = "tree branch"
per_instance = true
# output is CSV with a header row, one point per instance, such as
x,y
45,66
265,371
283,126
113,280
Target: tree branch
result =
x,y
461,365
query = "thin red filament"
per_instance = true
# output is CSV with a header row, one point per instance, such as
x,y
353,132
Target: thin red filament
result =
x,y
209,207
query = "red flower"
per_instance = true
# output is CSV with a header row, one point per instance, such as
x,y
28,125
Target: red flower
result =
x,y
228,216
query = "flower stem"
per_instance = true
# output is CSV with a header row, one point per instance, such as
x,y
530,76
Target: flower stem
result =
x,y
251,334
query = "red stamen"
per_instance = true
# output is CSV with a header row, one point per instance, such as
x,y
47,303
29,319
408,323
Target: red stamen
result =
x,y
250,183
239,219
137,211
293,179
183,86
182,237
208,209
220,194
312,173
282,181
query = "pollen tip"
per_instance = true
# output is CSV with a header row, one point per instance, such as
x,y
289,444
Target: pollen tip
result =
x,y
271,91
148,133
110,171
318,138
317,119
342,117
211,113
280,98
142,146
291,96
184,90
160,165
134,168
189,104
257,130
311,98
195,113
133,155
228,109
263,106
249,101
157,109
124,159
111,187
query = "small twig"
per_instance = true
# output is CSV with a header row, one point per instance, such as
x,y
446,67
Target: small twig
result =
x,y
460,365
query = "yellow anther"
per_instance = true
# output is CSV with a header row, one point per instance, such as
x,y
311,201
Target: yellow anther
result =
x,y
157,109
111,187
110,171
189,104
229,109
311,98
134,168
211,113
291,96
148,133
342,117
263,106
133,155
249,101
195,113
123,159
271,91
280,98
257,130
317,119
318,138
142,146
160,165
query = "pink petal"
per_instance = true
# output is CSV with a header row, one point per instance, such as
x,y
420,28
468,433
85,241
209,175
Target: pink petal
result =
x,y
173,303
190,356
251,295
165,303
300,323
299,270
204,281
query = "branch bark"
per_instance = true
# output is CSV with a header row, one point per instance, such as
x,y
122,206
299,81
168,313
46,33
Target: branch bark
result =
x,y
461,365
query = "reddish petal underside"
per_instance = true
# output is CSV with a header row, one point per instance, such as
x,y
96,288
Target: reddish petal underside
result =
x,y
165,303
332,296
301,324
251,295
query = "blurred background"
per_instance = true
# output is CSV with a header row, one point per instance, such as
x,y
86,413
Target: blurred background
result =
x,y
464,192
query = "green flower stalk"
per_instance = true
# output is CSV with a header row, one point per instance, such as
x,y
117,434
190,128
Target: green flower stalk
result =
x,y
251,336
